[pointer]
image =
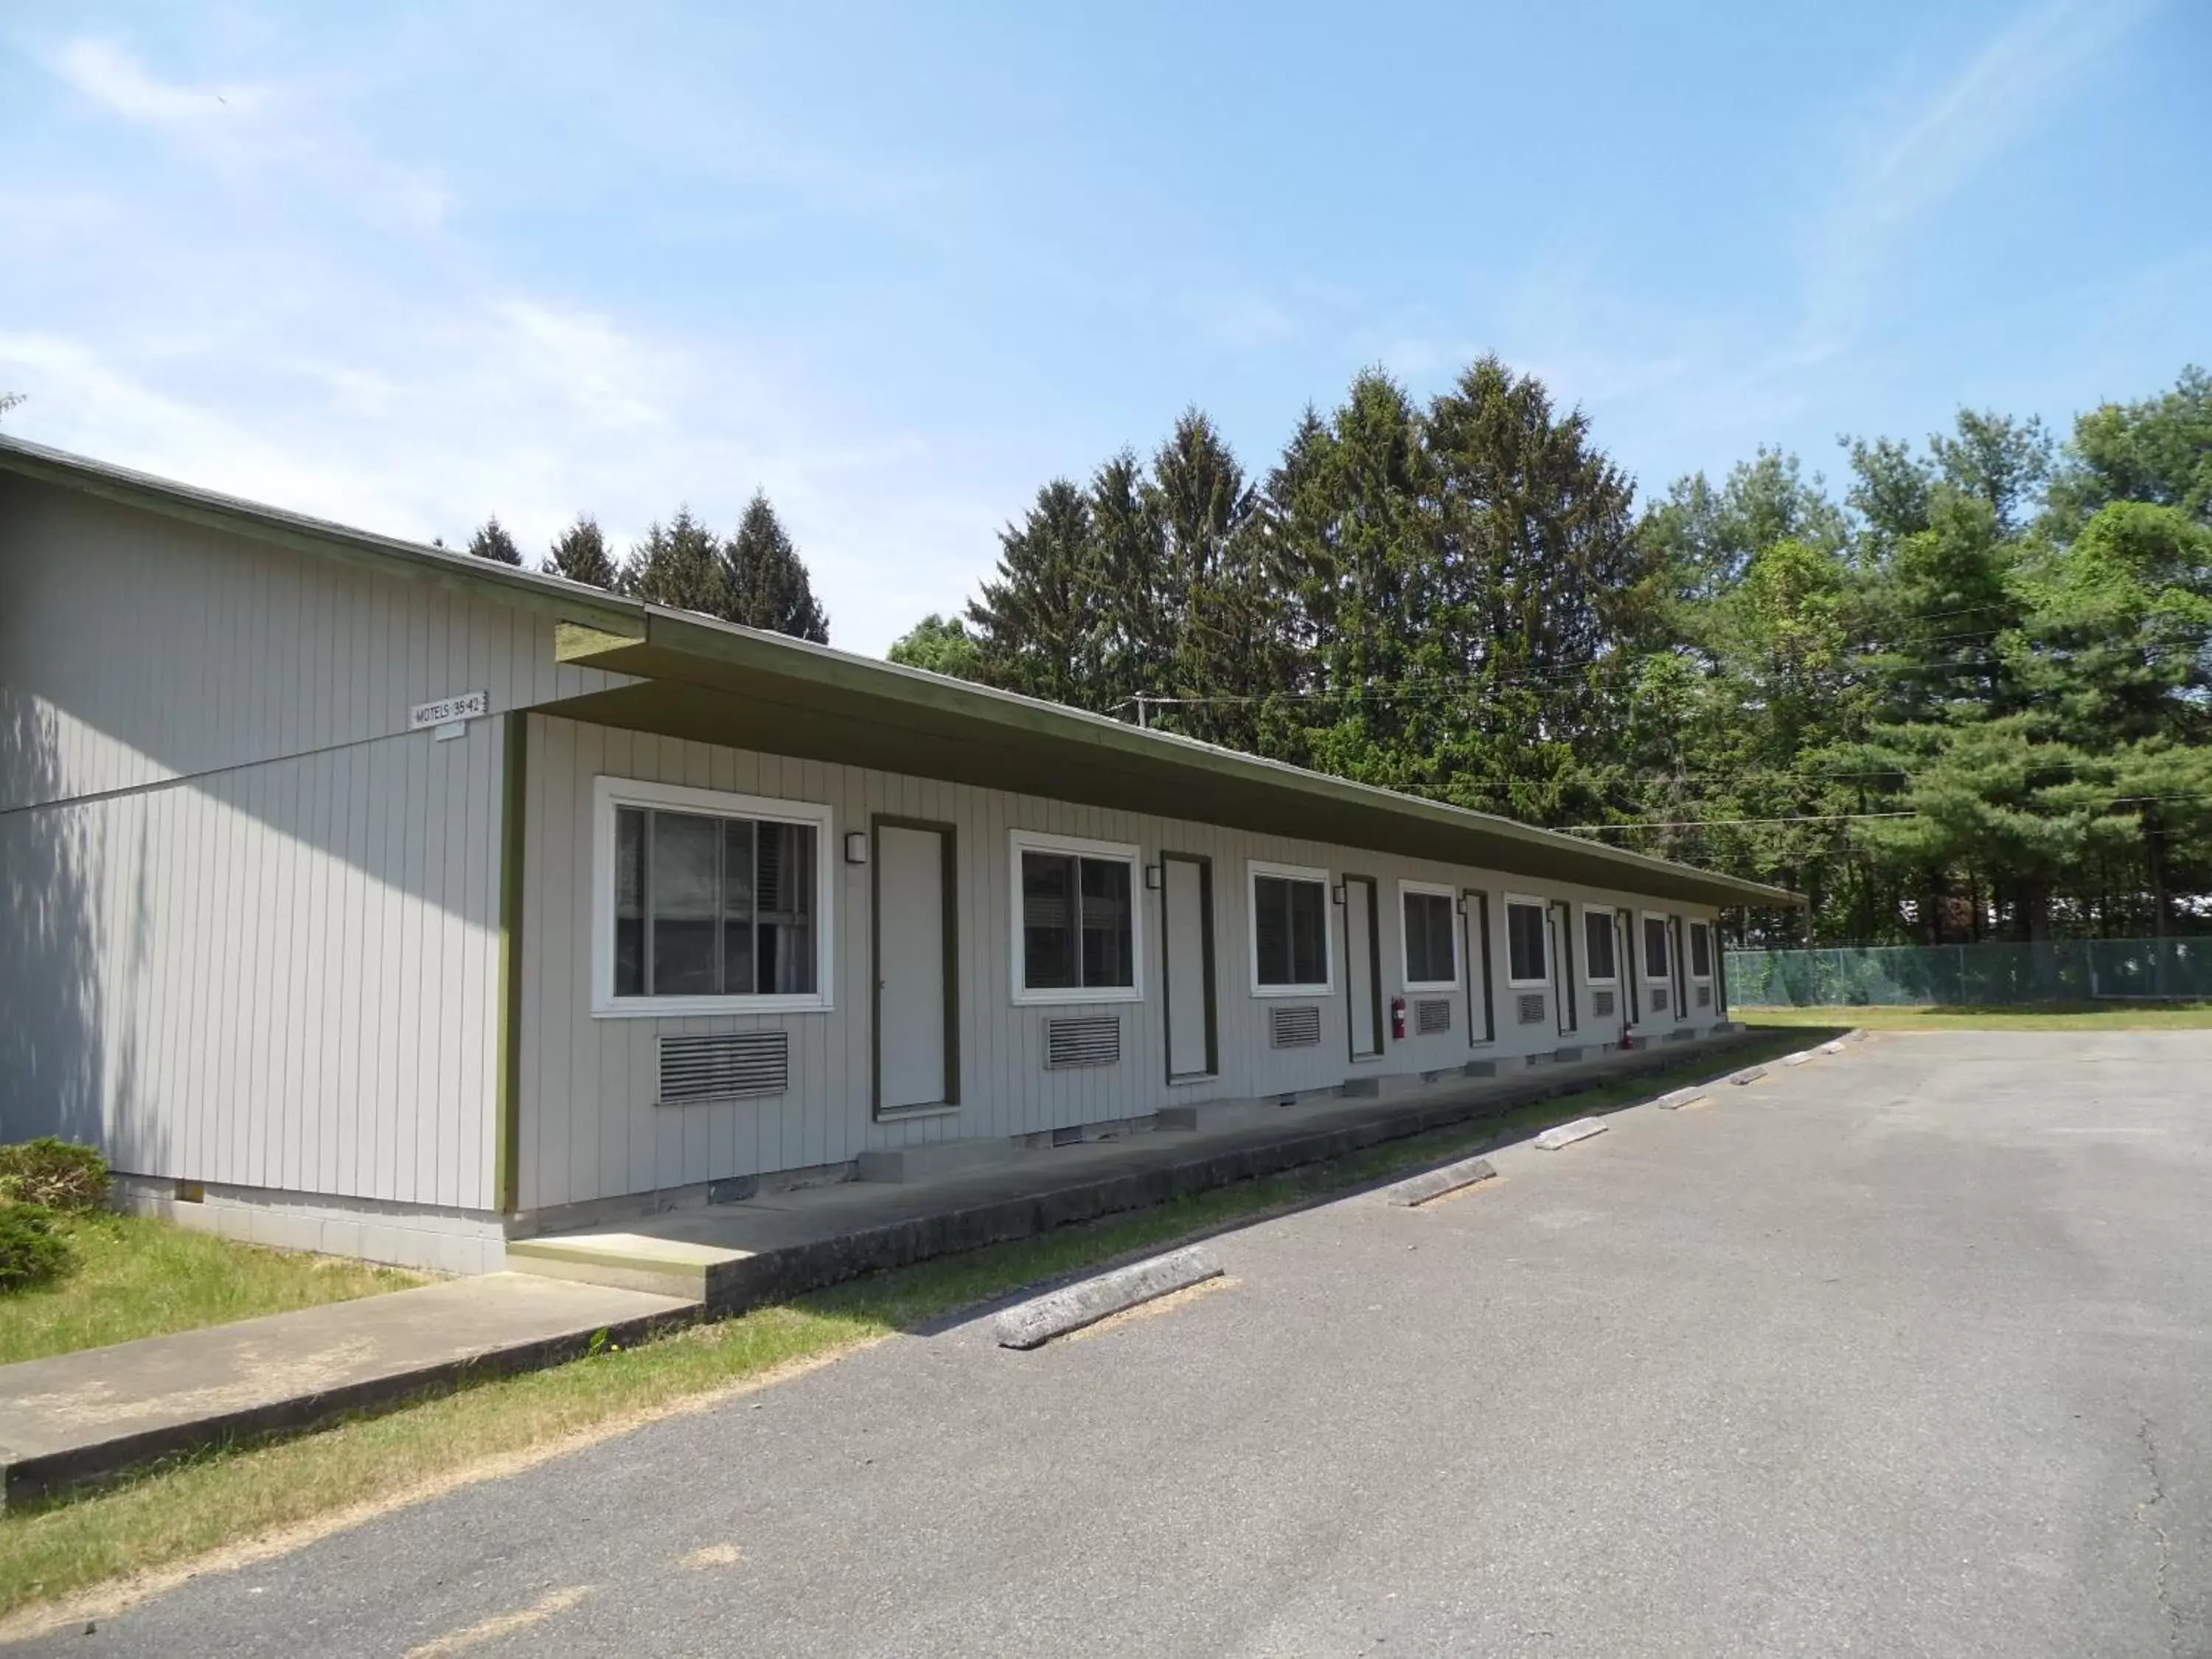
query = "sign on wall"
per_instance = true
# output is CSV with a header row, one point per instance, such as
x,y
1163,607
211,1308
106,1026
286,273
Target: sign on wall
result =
x,y
449,716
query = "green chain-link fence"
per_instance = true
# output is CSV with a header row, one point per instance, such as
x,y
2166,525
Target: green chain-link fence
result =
x,y
1973,976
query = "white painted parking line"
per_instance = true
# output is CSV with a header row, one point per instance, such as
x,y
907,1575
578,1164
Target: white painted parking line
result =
x,y
500,1624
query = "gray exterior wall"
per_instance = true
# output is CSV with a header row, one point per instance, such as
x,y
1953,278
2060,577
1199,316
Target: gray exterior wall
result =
x,y
591,1130
253,919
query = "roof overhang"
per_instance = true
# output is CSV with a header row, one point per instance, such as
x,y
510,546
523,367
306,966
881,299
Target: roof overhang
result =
x,y
716,683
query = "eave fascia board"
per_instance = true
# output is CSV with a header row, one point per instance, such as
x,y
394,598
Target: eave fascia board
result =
x,y
527,590
683,635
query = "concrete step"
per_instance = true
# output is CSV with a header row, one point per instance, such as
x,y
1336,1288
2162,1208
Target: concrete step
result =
x,y
633,1261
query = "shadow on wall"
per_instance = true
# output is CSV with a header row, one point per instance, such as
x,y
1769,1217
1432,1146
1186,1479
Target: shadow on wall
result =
x,y
53,1060
262,941
274,975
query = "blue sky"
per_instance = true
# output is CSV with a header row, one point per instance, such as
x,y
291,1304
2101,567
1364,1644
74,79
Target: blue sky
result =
x,y
408,265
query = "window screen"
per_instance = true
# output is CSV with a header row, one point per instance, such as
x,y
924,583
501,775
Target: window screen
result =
x,y
1597,940
1701,950
1430,956
1654,948
1290,930
1524,941
711,906
1076,923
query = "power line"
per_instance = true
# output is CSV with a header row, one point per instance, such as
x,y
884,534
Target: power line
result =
x,y
1444,688
1703,824
1846,817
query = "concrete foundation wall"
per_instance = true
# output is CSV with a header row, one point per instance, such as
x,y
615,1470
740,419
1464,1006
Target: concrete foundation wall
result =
x,y
404,1234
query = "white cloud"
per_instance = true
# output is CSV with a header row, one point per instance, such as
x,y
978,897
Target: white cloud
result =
x,y
252,129
1915,153
400,381
431,414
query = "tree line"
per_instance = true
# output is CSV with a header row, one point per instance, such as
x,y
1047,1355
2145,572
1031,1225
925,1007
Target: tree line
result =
x,y
1970,697
754,577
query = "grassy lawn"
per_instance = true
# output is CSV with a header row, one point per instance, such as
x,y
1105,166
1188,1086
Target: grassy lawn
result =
x,y
131,1276
231,1497
2097,1017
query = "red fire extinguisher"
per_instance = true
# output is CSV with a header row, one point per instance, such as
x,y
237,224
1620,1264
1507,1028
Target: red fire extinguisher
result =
x,y
1398,1018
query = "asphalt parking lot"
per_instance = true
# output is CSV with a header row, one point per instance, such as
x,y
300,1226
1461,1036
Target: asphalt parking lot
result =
x,y
1905,1351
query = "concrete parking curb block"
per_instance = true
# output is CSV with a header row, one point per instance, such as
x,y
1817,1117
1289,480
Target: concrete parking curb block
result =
x,y
1749,1074
1798,1059
1435,1183
1036,1321
1681,1097
1835,1047
1567,1133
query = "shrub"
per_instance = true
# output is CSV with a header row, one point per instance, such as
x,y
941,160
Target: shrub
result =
x,y
55,1174
30,1251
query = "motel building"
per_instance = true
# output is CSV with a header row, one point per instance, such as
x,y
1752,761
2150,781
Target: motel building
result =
x,y
368,897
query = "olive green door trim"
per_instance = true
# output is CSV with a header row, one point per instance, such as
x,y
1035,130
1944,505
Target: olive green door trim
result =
x,y
948,836
1477,903
514,806
1374,973
1206,956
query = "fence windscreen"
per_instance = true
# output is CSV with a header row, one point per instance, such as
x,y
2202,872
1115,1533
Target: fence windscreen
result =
x,y
1973,976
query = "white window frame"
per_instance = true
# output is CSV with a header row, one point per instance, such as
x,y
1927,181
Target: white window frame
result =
x,y
1450,896
1019,841
1254,869
1697,925
610,792
1505,914
1610,911
1542,907
1665,975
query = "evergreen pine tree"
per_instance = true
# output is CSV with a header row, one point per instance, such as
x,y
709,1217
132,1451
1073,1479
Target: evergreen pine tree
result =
x,y
491,541
679,565
764,582
580,554
1037,621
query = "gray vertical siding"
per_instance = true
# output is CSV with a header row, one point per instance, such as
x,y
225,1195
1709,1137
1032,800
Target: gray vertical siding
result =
x,y
252,918
277,976
589,1126
136,649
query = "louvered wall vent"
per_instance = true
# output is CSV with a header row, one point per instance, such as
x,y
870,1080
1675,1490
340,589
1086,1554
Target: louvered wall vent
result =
x,y
1093,1040
1431,1016
1294,1028
1659,999
1601,1004
1532,1008
728,1066
1704,996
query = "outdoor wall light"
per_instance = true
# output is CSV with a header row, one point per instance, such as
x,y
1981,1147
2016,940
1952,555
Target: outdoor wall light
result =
x,y
1460,904
1153,878
856,847
1336,894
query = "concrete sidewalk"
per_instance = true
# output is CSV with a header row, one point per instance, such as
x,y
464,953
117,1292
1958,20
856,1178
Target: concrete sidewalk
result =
x,y
734,1257
78,1417
75,1418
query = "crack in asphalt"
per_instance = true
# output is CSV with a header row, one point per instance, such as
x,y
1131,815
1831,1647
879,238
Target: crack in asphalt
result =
x,y
2157,1500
